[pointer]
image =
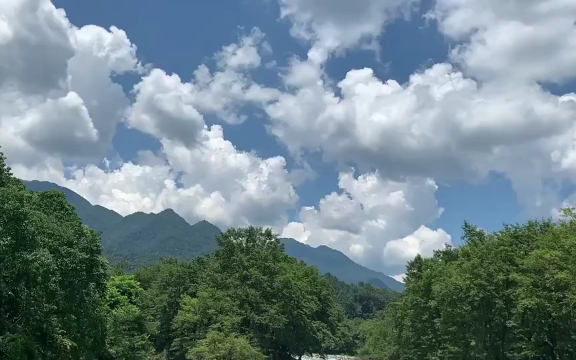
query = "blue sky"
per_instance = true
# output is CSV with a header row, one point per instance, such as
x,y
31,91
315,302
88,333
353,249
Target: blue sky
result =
x,y
366,100
178,36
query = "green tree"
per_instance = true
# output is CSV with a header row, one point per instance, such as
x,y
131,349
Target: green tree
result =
x,y
128,331
165,283
361,300
224,346
211,309
6,177
503,295
52,277
380,336
285,306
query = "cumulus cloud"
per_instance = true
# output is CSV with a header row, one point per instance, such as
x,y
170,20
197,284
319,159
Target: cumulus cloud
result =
x,y
211,181
34,45
60,126
164,108
440,124
518,40
168,107
493,115
242,55
56,97
335,25
71,117
367,217
100,54
423,241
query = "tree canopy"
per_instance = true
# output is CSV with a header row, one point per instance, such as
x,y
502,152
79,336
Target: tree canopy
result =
x,y
248,291
510,294
52,278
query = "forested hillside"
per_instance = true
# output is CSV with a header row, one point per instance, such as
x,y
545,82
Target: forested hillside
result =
x,y
248,299
139,239
510,294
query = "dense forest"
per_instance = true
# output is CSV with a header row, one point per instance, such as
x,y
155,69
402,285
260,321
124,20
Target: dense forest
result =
x,y
510,294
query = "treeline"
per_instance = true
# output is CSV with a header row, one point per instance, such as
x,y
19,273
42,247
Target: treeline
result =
x,y
246,301
510,294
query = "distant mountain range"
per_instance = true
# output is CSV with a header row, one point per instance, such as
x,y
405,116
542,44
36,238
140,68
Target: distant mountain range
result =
x,y
140,238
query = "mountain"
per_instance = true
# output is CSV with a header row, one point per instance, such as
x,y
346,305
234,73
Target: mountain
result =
x,y
94,216
140,238
328,260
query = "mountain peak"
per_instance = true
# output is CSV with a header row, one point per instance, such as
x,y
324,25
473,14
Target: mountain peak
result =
x,y
95,217
203,224
142,238
168,212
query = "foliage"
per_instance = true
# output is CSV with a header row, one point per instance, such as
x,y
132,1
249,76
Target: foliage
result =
x,y
60,300
378,335
95,217
165,283
504,295
248,288
361,300
287,307
224,346
140,239
128,330
197,316
53,279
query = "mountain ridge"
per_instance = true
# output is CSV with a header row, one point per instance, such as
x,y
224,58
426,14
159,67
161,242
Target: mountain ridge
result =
x,y
140,238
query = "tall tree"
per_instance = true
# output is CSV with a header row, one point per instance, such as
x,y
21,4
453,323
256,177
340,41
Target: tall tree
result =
x,y
286,307
503,295
128,336
165,284
52,277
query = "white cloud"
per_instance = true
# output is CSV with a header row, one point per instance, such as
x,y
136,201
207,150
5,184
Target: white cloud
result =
x,y
167,107
72,115
296,231
100,54
111,48
423,241
368,215
440,124
516,40
400,277
34,45
60,126
243,55
335,25
58,104
164,108
443,123
57,100
211,181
